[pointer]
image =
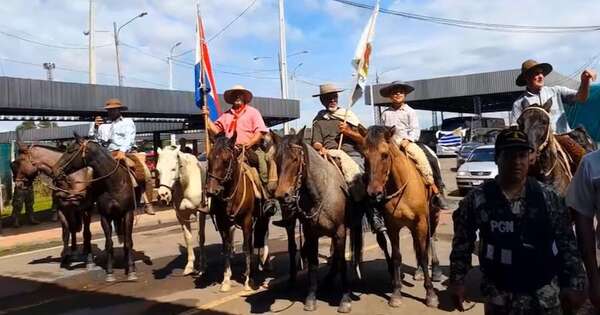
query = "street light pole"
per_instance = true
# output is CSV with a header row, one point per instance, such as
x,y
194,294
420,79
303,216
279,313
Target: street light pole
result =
x,y
293,79
170,59
283,60
116,34
91,43
49,66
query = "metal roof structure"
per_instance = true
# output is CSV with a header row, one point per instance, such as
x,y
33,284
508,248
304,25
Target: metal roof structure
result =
x,y
66,132
42,99
492,91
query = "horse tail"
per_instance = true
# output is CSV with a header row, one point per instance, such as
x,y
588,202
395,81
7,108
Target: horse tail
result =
x,y
120,230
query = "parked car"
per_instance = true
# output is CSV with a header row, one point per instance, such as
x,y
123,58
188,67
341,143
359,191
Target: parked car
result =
x,y
465,151
479,167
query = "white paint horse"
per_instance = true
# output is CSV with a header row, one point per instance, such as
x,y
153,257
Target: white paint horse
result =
x,y
181,181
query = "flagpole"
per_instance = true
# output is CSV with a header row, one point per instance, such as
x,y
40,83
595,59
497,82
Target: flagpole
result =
x,y
202,83
361,64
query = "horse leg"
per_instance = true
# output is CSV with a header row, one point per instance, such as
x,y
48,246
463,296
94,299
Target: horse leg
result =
x,y
227,236
87,240
340,248
108,247
186,227
396,298
128,246
382,242
311,247
292,249
357,244
248,252
65,255
436,271
202,263
419,274
261,241
421,234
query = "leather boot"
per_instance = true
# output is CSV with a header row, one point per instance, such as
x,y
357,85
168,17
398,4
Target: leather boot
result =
x,y
271,207
148,208
376,220
439,201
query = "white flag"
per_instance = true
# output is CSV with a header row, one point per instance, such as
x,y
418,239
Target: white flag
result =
x,y
360,62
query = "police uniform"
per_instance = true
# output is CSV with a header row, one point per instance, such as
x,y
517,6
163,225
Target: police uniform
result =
x,y
527,251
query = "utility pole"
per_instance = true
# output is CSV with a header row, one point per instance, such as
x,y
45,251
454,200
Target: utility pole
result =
x,y
49,66
283,60
91,39
170,59
119,77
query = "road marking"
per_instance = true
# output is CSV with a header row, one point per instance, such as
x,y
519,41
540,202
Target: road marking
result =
x,y
93,240
231,297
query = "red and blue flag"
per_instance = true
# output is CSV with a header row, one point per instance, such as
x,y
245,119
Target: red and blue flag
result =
x,y
203,74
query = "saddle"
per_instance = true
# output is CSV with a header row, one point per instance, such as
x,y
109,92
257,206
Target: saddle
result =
x,y
134,164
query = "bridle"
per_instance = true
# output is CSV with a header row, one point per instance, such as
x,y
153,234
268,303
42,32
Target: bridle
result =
x,y
60,173
548,130
228,172
296,194
400,190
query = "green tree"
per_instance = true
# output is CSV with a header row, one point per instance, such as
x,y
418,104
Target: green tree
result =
x,y
26,125
46,124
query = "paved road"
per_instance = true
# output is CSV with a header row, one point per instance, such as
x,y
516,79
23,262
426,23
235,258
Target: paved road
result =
x,y
33,283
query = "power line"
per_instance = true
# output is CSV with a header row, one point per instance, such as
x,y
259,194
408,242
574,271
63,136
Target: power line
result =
x,y
222,30
49,44
479,25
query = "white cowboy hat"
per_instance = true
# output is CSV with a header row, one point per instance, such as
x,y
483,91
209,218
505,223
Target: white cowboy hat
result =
x,y
114,103
328,88
231,94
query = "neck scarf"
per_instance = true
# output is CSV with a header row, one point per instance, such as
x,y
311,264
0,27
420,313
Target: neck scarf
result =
x,y
237,113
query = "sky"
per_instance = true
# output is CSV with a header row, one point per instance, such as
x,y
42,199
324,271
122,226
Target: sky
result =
x,y
404,49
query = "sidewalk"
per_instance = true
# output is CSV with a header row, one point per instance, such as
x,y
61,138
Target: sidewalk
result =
x,y
50,233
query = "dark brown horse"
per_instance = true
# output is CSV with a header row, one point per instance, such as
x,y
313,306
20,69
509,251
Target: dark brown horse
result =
x,y
70,194
115,196
394,180
234,203
313,188
552,165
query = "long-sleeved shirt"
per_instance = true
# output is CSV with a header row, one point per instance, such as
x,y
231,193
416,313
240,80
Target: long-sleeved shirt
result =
x,y
405,120
470,215
558,94
101,134
122,135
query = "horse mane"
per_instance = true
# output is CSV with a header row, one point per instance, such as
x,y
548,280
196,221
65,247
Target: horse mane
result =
x,y
48,147
375,134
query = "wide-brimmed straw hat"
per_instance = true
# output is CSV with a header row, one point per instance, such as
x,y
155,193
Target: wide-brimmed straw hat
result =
x,y
396,85
328,88
530,65
114,103
230,95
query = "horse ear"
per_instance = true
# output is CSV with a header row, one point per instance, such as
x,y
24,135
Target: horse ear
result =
x,y
233,139
300,135
390,132
548,105
78,138
276,138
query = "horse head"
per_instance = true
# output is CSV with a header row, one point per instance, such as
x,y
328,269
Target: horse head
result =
x,y
376,148
168,172
222,162
535,122
290,161
24,172
74,157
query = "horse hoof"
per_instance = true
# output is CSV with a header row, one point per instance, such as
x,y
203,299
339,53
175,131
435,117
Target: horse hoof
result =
x,y
431,300
310,305
90,266
132,276
436,275
345,304
110,278
266,266
188,271
225,287
395,301
419,276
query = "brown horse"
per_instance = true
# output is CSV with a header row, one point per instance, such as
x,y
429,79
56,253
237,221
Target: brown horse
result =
x,y
115,196
315,190
551,165
70,194
390,170
234,203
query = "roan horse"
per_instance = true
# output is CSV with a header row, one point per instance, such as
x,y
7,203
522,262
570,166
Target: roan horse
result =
x,y
115,198
390,170
234,204
314,188
181,181
71,195
553,164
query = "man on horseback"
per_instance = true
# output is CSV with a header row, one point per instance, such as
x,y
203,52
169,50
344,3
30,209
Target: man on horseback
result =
x,y
249,126
532,77
328,128
527,252
100,131
121,139
407,132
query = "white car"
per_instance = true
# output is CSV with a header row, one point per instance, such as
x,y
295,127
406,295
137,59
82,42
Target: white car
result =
x,y
479,167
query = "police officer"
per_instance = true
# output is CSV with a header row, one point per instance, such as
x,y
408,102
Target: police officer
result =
x,y
528,253
22,194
